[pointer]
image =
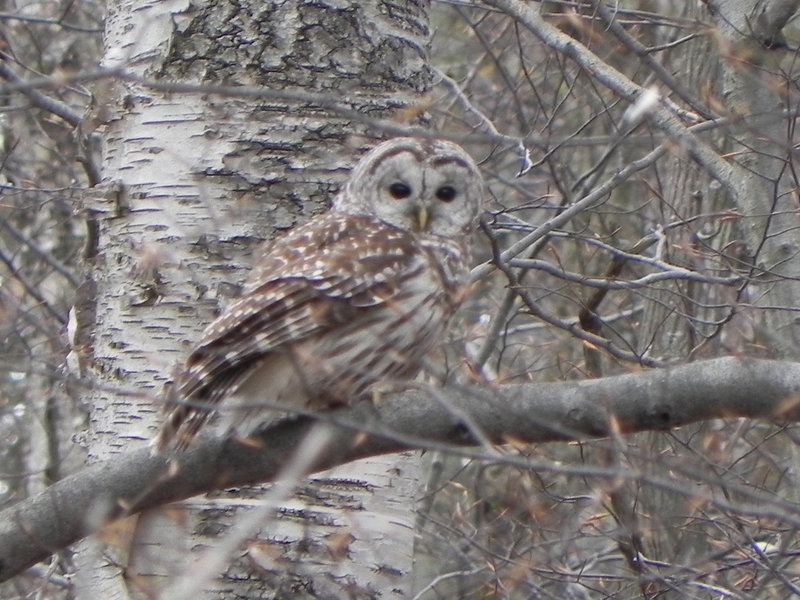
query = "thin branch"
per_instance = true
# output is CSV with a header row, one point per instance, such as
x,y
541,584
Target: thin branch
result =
x,y
37,98
595,197
577,331
42,254
31,289
46,21
669,272
644,55
660,115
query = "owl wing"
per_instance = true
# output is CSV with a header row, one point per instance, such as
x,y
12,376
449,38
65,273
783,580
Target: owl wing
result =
x,y
316,278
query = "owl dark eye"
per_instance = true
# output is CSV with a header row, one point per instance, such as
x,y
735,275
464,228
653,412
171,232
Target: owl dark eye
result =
x,y
446,193
399,190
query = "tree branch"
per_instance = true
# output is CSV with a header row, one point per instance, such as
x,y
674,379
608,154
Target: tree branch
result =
x,y
660,115
545,412
37,98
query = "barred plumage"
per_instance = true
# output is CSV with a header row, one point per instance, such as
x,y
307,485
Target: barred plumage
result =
x,y
354,297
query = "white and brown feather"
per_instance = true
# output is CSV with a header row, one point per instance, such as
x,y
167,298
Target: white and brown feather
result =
x,y
353,298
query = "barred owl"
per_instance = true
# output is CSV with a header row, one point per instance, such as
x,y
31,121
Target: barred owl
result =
x,y
353,298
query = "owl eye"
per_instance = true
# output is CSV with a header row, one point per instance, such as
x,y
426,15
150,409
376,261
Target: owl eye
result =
x,y
399,190
446,193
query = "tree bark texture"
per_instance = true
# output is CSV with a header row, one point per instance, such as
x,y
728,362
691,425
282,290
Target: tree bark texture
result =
x,y
192,183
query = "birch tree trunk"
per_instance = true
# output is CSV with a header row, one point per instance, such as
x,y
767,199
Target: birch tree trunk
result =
x,y
192,182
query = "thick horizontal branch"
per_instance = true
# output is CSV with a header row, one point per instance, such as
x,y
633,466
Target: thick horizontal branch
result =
x,y
648,400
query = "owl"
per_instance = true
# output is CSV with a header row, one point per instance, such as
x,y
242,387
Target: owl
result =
x,y
354,298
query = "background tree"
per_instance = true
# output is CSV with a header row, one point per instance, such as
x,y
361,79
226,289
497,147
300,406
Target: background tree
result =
x,y
643,213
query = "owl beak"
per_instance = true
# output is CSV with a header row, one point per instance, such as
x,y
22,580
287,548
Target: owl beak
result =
x,y
423,217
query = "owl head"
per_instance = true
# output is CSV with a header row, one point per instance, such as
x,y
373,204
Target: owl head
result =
x,y
424,186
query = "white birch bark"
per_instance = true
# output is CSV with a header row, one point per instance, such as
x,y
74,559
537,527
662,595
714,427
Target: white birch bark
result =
x,y
191,183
